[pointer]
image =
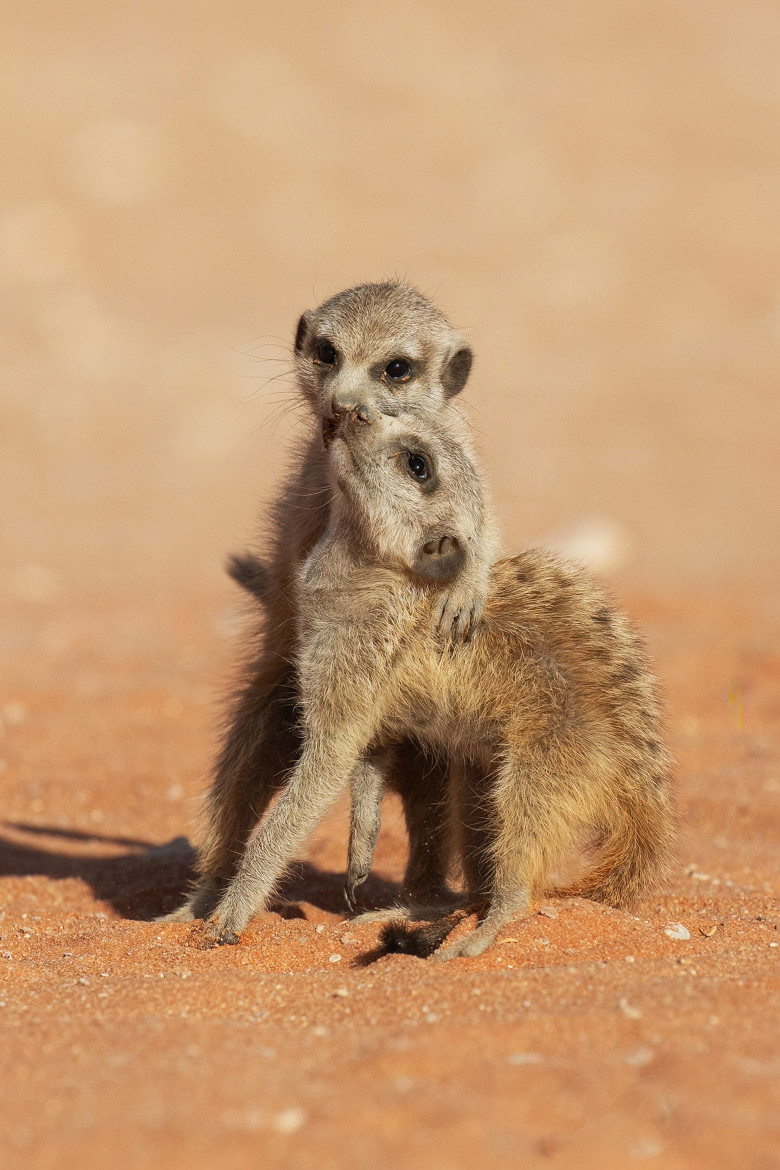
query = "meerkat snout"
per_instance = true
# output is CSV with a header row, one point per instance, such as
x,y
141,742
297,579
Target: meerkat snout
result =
x,y
346,419
357,412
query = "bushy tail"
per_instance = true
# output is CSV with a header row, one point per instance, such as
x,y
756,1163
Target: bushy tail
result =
x,y
634,850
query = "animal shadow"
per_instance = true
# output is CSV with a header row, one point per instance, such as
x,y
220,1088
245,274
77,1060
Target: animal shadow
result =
x,y
145,880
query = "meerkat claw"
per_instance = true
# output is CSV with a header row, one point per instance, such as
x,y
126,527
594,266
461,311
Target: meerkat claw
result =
x,y
220,936
350,890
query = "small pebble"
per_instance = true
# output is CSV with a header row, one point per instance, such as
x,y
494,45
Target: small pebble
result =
x,y
548,912
319,928
677,930
335,958
341,992
633,1013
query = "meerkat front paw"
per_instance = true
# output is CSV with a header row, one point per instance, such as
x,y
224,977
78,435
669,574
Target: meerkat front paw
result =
x,y
219,934
355,878
459,610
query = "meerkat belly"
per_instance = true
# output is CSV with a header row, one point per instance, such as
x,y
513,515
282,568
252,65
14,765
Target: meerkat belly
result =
x,y
435,701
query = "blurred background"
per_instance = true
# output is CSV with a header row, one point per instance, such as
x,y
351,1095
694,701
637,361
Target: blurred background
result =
x,y
589,191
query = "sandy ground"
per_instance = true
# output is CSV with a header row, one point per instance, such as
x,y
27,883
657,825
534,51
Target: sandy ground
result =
x,y
591,192
586,1037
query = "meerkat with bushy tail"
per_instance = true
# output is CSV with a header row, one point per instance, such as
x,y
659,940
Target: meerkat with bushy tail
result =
x,y
549,714
378,350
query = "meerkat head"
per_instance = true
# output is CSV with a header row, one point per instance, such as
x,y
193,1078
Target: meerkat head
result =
x,y
383,348
405,492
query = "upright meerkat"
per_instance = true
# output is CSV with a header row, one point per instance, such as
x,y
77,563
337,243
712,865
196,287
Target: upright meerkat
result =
x,y
377,349
552,706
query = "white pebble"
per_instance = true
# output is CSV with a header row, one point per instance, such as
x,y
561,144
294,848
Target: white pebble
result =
x,y
677,930
335,958
633,1013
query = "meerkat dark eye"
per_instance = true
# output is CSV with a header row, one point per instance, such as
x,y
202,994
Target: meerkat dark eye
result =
x,y
325,353
398,370
418,465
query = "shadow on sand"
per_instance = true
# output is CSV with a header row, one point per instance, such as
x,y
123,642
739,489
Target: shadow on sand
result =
x,y
146,880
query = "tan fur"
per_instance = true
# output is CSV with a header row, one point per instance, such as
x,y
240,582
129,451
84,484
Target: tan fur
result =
x,y
549,714
368,327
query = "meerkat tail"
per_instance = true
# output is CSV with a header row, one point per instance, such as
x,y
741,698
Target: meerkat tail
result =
x,y
250,573
635,850
401,938
636,855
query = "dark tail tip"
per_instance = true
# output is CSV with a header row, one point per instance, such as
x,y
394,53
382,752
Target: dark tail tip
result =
x,y
250,573
401,938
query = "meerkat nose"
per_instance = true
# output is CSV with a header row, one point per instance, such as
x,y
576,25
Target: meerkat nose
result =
x,y
352,412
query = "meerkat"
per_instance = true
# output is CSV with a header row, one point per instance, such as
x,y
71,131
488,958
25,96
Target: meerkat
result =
x,y
367,785
377,349
551,707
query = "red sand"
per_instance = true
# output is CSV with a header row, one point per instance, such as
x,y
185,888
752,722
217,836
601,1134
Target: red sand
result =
x,y
585,1038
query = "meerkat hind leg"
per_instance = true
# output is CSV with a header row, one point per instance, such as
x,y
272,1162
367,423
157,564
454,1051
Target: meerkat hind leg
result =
x,y
422,782
502,910
527,836
259,752
366,787
200,904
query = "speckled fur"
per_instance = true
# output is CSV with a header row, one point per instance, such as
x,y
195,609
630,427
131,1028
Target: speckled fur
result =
x,y
550,713
368,325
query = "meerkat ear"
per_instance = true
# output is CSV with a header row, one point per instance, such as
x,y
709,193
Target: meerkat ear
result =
x,y
440,558
456,371
301,331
